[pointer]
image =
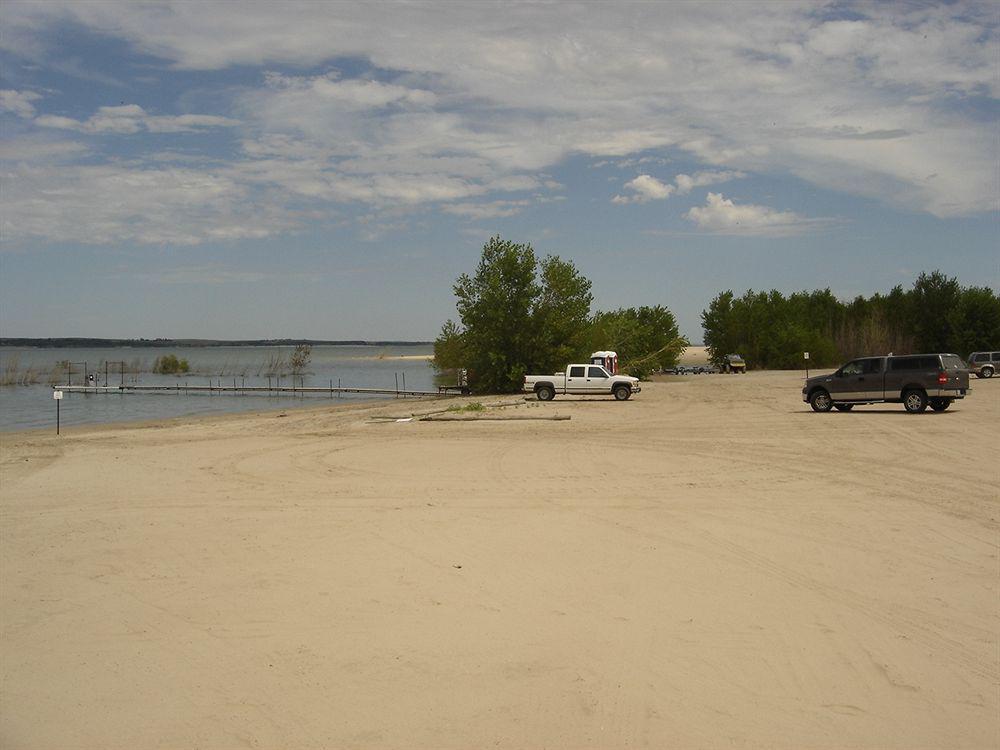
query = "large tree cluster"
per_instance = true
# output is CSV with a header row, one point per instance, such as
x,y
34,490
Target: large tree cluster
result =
x,y
519,314
772,330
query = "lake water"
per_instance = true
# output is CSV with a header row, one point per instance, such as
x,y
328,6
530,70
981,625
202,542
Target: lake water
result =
x,y
32,406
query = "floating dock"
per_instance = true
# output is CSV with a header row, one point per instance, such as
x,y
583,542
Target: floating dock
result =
x,y
267,390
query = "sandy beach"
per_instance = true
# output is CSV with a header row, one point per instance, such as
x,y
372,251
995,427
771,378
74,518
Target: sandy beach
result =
x,y
708,565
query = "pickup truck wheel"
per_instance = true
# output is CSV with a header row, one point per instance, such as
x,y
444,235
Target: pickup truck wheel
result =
x,y
987,372
622,392
843,407
820,400
940,404
545,393
915,401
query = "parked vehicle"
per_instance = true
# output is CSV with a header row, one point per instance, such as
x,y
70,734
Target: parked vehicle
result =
x,y
585,380
734,363
915,381
984,364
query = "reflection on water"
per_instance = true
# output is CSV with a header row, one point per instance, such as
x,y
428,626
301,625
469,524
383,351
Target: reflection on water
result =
x,y
32,406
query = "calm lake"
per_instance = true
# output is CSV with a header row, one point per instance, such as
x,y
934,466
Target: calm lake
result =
x,y
32,406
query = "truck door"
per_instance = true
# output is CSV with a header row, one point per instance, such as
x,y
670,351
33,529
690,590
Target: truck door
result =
x,y
847,382
598,380
576,379
871,382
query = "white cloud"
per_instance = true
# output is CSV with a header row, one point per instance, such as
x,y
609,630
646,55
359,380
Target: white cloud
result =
x,y
115,203
721,215
646,188
131,118
686,183
491,210
38,149
478,99
18,102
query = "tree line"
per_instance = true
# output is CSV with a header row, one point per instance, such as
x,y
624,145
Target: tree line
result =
x,y
772,330
521,314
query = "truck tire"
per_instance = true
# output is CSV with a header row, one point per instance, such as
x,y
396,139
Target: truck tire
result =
x,y
915,401
820,400
940,404
987,372
622,392
545,392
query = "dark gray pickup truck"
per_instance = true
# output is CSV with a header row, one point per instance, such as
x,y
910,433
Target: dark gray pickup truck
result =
x,y
914,380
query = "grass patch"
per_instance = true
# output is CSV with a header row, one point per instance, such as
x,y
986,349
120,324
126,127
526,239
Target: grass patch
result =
x,y
474,406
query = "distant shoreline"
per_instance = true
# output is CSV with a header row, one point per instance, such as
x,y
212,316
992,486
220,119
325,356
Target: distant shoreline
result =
x,y
69,343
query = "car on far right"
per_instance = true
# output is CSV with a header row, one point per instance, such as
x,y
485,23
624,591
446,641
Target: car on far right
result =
x,y
984,364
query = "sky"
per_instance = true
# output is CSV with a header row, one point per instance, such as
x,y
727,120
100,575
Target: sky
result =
x,y
327,170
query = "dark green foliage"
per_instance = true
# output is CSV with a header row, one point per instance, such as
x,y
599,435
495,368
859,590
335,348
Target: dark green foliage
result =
x,y
771,330
449,349
560,316
975,321
168,364
932,304
645,338
517,316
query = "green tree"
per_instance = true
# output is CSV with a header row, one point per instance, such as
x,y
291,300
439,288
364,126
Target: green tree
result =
x,y
645,338
449,348
719,323
561,315
975,322
517,315
771,330
932,303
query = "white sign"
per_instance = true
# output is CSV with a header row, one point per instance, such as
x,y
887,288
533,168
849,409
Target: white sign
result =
x,y
805,355
57,395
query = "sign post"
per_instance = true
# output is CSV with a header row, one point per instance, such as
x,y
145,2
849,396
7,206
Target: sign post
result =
x,y
57,395
805,356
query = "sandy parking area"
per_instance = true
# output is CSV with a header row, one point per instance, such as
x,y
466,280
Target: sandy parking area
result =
x,y
708,565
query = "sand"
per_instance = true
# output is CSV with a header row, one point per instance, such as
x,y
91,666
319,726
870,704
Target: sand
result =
x,y
694,355
707,565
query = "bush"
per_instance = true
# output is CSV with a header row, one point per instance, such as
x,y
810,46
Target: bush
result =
x,y
168,364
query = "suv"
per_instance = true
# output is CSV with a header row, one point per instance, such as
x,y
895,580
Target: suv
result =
x,y
916,381
734,363
984,364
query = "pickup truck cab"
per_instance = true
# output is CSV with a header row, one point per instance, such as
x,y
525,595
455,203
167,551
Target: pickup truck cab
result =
x,y
916,381
584,380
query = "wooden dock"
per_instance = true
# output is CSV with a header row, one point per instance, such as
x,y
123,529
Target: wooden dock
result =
x,y
267,390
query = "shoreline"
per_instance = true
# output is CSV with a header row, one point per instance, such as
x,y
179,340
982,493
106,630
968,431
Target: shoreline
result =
x,y
221,417
354,402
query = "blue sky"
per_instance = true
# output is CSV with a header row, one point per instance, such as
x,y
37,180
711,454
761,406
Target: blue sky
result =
x,y
326,170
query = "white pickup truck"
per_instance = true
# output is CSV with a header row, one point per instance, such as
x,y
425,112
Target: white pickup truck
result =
x,y
584,380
